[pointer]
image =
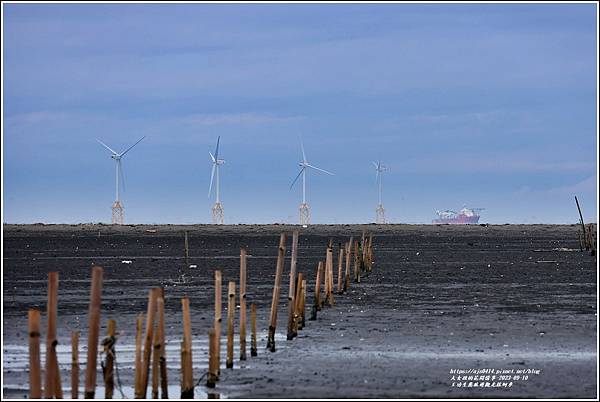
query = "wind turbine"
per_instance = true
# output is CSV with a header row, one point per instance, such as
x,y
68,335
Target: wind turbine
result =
x,y
217,210
304,208
379,211
117,207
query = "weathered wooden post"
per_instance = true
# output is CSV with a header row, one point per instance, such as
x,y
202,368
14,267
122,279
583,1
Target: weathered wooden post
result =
x,y
51,372
148,341
297,301
218,319
211,377
35,379
581,221
276,292
243,304
303,304
187,250
340,263
74,365
230,324
108,343
370,252
356,262
187,383
156,362
253,345
139,323
348,260
94,333
292,289
317,299
329,279
164,383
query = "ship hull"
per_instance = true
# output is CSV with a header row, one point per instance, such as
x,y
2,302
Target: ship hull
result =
x,y
459,220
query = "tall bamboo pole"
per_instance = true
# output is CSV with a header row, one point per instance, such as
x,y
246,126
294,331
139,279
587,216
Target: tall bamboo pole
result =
x,y
35,379
292,289
243,304
230,323
276,292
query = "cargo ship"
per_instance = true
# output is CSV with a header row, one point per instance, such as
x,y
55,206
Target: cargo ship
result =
x,y
465,216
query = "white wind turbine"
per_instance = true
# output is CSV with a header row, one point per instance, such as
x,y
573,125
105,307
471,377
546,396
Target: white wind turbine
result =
x,y
304,208
217,210
380,211
117,207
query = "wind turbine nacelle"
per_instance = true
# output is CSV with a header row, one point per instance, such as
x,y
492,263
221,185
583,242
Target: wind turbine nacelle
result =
x,y
116,157
220,161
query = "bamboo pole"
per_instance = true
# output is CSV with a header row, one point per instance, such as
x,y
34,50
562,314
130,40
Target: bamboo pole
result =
x,y
218,319
94,333
35,379
211,377
51,311
297,300
230,323
276,291
316,300
581,221
148,340
243,304
74,365
164,384
187,383
292,290
253,345
329,264
109,380
138,355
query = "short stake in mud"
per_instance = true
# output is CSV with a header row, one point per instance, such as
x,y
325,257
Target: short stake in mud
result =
x,y
297,300
139,324
211,377
340,263
243,304
356,262
329,278
276,291
74,365
292,290
253,346
317,299
35,379
52,384
187,383
218,319
348,260
303,304
230,323
108,369
148,340
94,333
164,382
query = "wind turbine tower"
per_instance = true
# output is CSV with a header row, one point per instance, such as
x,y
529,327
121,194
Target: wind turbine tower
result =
x,y
217,210
379,211
304,207
117,207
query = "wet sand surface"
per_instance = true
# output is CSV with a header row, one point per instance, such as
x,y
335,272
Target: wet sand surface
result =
x,y
440,298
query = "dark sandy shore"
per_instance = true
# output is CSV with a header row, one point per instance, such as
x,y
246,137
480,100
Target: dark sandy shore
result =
x,y
510,297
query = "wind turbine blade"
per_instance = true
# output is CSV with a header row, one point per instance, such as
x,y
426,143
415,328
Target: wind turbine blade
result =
x,y
303,154
319,169
212,157
217,149
212,176
107,147
121,174
296,179
138,141
376,165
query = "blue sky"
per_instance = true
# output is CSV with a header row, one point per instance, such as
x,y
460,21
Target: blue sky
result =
x,y
490,105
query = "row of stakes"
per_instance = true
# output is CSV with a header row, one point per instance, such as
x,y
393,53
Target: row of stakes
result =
x,y
151,358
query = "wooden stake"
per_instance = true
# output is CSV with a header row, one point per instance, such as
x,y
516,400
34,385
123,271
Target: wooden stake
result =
x,y
74,365
243,304
156,361
253,346
303,305
581,220
348,259
230,315
218,292
211,377
276,291
164,383
35,379
187,251
317,299
94,333
187,383
356,262
148,340
138,355
329,279
292,291
51,311
109,381
297,301
340,263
